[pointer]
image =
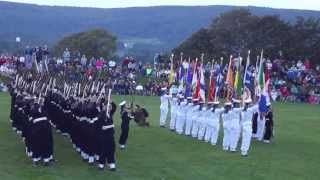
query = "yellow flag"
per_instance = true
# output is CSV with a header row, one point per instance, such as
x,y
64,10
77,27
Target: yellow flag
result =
x,y
171,75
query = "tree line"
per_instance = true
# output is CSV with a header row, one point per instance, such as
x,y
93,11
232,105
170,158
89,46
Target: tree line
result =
x,y
237,31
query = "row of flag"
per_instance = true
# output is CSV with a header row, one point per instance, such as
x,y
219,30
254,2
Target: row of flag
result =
x,y
239,83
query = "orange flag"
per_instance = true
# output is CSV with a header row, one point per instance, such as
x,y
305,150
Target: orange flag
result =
x,y
229,80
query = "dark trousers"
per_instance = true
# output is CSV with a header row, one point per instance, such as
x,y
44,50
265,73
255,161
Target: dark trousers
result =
x,y
124,135
107,146
42,143
268,130
254,123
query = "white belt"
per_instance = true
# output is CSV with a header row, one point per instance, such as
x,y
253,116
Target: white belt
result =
x,y
39,119
83,119
93,120
66,111
107,127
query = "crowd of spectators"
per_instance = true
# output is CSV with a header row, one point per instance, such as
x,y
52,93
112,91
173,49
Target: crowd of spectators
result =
x,y
293,81
126,77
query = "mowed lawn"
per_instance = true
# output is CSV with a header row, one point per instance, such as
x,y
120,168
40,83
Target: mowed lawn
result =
x,y
157,153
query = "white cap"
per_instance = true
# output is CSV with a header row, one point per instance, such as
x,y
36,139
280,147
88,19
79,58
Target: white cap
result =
x,y
216,102
235,100
228,103
122,103
249,100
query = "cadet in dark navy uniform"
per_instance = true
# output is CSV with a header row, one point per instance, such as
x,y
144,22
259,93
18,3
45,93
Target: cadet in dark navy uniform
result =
x,y
125,117
41,135
269,125
106,137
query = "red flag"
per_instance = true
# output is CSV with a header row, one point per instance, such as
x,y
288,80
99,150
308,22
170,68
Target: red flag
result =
x,y
211,93
196,93
211,90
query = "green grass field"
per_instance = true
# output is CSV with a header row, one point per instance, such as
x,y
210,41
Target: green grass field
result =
x,y
157,153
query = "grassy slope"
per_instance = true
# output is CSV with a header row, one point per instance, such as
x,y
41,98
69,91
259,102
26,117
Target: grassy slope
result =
x,y
155,153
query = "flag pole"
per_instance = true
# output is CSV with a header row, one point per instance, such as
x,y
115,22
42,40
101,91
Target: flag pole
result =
x,y
108,104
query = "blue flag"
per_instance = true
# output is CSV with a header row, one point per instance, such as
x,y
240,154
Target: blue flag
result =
x,y
219,81
263,103
188,82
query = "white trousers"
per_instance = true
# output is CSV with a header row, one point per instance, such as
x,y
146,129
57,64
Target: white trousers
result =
x,y
188,125
260,128
195,128
226,138
214,135
246,138
173,119
208,134
202,130
234,137
180,123
163,116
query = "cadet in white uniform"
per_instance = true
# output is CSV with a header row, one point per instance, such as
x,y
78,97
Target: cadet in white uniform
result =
x,y
208,128
181,115
164,107
235,125
173,103
202,122
189,116
261,123
213,124
226,119
197,113
246,125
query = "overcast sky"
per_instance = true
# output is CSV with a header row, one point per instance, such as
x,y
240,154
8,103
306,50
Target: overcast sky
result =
x,y
288,4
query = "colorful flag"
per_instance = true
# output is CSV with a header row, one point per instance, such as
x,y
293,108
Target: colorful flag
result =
x,y
171,75
261,86
247,76
261,80
266,90
256,78
189,81
229,81
238,80
218,80
211,94
195,82
202,90
181,79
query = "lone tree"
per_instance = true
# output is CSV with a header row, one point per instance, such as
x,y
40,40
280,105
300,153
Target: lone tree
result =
x,y
94,43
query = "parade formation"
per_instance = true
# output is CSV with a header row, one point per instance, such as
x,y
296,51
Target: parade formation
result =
x,y
164,90
246,112
81,111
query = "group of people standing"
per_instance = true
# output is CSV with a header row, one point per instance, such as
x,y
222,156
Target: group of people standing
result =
x,y
83,115
239,120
